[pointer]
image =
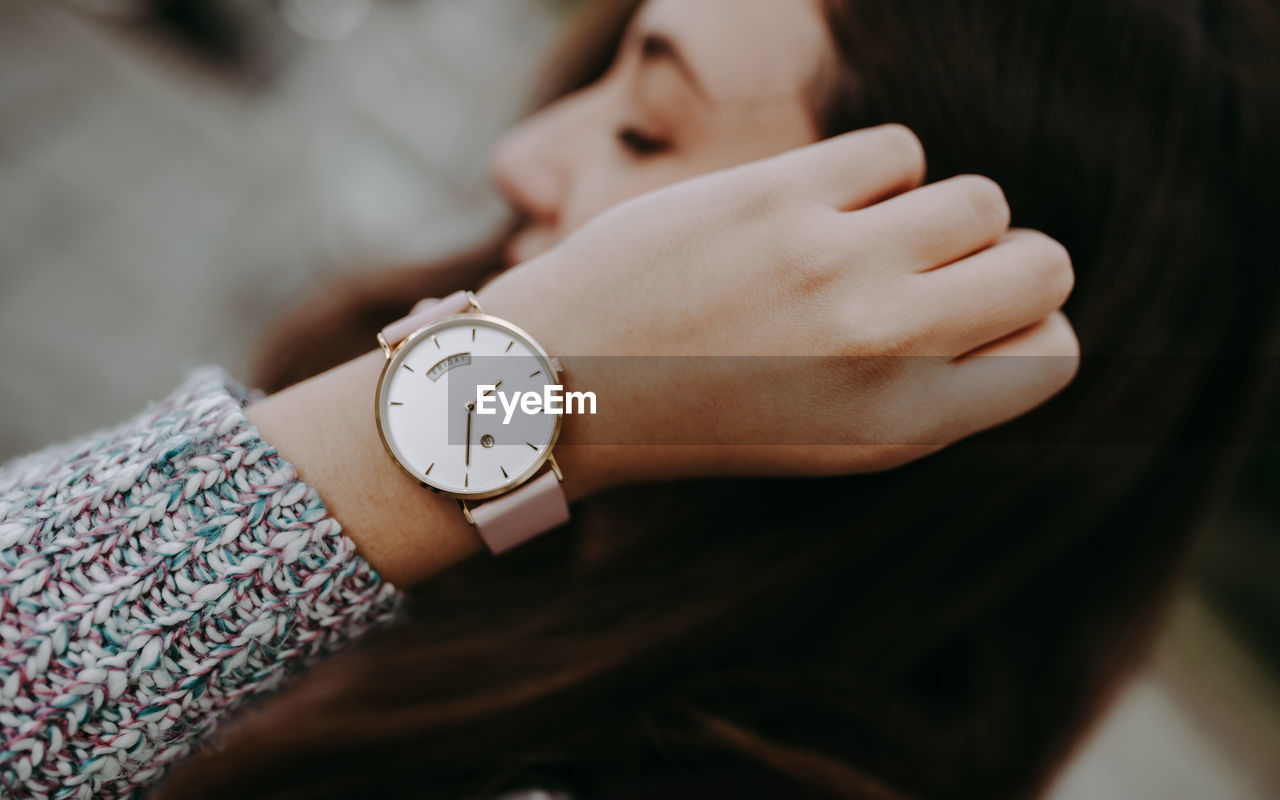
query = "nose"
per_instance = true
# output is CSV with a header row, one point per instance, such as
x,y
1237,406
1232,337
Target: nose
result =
x,y
528,171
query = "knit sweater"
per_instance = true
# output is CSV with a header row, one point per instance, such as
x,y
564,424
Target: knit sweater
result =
x,y
154,577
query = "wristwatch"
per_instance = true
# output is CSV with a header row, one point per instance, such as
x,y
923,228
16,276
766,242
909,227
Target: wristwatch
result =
x,y
440,360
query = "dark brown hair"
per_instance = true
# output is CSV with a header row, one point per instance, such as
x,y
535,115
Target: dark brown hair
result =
x,y
944,630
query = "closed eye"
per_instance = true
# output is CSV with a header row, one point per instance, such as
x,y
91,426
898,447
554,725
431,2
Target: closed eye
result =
x,y
641,144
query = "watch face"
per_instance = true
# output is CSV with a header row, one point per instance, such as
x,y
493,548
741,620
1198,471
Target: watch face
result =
x,y
429,419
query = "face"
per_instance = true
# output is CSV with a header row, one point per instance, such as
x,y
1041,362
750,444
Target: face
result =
x,y
697,86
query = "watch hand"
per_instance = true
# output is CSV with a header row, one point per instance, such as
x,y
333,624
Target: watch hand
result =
x,y
470,408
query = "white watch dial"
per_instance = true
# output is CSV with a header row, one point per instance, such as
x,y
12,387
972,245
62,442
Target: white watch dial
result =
x,y
427,414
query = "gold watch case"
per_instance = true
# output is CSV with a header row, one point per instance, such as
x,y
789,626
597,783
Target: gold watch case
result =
x,y
395,356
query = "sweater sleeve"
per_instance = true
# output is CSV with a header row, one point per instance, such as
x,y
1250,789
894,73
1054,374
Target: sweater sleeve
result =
x,y
154,577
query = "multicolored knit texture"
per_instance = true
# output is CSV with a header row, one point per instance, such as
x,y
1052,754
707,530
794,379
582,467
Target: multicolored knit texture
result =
x,y
154,577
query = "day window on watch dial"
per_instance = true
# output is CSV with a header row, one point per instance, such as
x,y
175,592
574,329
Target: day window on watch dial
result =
x,y
446,364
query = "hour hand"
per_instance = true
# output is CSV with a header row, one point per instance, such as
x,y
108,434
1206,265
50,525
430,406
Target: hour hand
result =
x,y
471,404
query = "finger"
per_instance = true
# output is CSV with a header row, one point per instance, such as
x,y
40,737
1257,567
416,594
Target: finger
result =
x,y
1009,377
856,169
936,224
992,293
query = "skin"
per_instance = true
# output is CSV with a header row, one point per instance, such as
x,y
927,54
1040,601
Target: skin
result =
x,y
830,250
657,118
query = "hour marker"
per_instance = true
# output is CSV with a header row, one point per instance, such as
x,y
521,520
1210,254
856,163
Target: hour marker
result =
x,y
466,481
406,366
473,334
394,403
539,372
437,341
509,345
428,472
504,470
531,444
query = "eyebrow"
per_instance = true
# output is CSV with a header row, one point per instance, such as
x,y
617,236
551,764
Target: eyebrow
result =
x,y
656,46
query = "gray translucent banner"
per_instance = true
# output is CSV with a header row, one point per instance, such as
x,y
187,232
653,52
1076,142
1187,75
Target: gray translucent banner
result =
x,y
813,400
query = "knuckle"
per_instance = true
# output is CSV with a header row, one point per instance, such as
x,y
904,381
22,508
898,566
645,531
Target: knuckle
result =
x,y
763,199
985,200
1066,343
1053,262
1063,271
809,264
807,271
1062,344
906,147
879,341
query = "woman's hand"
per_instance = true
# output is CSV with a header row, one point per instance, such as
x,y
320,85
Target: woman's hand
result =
x,y
865,323
893,293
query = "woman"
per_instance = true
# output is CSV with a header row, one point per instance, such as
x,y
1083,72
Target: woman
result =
x,y
945,629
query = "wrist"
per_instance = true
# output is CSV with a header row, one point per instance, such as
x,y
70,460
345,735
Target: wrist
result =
x,y
325,427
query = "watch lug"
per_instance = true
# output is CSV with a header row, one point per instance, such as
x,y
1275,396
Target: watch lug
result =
x,y
386,348
475,304
466,512
555,467
557,366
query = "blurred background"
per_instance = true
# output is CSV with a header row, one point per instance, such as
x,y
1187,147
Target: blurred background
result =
x,y
172,172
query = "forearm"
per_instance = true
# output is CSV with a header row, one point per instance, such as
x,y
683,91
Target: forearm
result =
x,y
153,578
325,426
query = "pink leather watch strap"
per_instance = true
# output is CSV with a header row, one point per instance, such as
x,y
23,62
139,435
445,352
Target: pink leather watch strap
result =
x,y
425,311
521,514
518,516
